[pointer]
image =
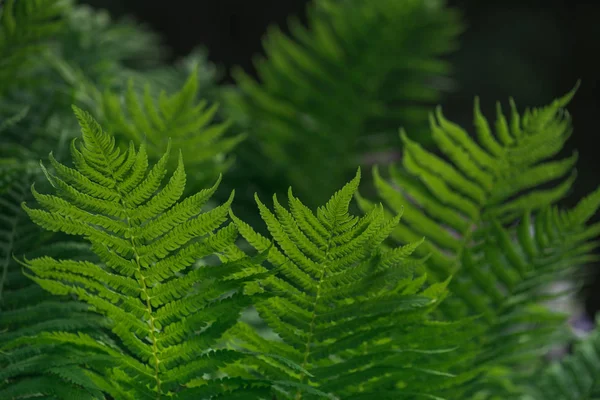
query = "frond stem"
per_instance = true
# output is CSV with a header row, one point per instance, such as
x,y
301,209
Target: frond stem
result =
x,y
141,280
314,316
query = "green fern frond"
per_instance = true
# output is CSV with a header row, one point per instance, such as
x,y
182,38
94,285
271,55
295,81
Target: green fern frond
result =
x,y
330,92
466,203
179,118
25,26
27,310
101,46
497,178
167,312
577,377
349,312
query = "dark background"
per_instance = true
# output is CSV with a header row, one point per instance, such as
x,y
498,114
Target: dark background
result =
x,y
533,51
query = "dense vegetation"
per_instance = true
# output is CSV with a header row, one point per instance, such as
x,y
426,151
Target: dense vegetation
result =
x,y
151,254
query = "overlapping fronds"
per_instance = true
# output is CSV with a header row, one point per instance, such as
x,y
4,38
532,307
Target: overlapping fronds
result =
x,y
466,203
353,315
167,310
89,49
26,310
180,118
577,377
332,91
25,27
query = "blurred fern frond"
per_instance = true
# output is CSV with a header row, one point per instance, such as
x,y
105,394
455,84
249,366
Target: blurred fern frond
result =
x,y
331,92
577,377
157,118
26,27
487,209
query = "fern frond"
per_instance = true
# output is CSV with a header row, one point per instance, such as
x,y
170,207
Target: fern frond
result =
x,y
330,92
25,27
467,203
101,46
26,310
577,377
348,312
167,312
179,118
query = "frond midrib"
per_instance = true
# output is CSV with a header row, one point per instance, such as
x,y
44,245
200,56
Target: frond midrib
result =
x,y
141,280
314,309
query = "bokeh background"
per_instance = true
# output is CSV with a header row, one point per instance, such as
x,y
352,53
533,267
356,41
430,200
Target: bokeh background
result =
x,y
531,50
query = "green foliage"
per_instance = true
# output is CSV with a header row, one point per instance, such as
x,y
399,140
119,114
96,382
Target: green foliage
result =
x,y
135,288
179,118
330,92
27,310
467,203
577,377
25,27
167,314
347,310
108,50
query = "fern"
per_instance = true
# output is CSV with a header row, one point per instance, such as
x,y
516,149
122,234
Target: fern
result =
x,y
26,310
575,378
354,316
167,314
137,293
108,50
88,49
330,92
25,28
13,158
466,204
179,118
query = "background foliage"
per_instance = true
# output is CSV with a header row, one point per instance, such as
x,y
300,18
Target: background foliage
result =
x,y
531,50
324,98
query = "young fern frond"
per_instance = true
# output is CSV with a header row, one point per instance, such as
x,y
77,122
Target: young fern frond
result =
x,y
466,204
350,313
330,92
167,311
179,118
